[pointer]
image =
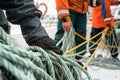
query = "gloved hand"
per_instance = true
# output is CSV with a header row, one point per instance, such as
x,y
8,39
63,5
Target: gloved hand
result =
x,y
94,3
109,31
47,43
66,26
66,23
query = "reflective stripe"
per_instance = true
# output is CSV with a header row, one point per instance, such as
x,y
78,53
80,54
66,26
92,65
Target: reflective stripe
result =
x,y
63,12
94,2
107,19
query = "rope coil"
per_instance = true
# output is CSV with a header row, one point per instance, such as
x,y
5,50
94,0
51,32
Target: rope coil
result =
x,y
34,63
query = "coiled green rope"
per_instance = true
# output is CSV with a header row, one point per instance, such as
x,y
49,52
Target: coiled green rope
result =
x,y
34,63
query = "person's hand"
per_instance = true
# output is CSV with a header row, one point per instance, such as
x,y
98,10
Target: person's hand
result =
x,y
47,44
109,31
66,26
66,23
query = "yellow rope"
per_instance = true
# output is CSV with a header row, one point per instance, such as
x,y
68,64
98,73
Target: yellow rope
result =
x,y
72,49
94,42
90,40
80,36
99,44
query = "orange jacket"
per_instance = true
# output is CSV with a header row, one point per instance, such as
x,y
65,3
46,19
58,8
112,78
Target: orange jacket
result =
x,y
101,15
63,6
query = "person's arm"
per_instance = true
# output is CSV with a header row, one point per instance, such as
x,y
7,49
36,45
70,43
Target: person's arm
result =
x,y
62,8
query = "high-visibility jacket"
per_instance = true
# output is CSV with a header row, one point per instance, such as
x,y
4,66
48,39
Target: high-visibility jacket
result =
x,y
101,15
63,6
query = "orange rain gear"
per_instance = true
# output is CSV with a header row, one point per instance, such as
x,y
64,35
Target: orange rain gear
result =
x,y
102,19
63,6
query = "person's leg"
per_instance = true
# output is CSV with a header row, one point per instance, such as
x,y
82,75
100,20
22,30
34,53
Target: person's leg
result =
x,y
112,41
80,27
25,13
59,33
94,31
3,22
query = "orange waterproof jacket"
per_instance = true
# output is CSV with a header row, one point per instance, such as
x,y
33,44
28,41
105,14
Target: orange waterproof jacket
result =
x,y
101,15
63,6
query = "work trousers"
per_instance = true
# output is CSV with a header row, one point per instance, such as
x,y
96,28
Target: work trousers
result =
x,y
24,13
111,40
79,22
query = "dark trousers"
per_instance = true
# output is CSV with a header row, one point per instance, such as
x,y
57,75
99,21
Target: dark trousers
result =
x,y
24,13
79,23
111,40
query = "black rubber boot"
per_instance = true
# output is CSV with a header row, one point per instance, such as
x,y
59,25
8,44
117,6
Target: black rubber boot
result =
x,y
115,56
48,44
